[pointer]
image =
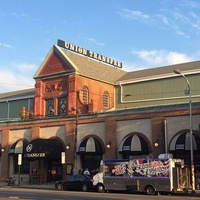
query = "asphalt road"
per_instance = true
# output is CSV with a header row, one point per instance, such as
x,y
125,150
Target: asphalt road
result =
x,y
39,194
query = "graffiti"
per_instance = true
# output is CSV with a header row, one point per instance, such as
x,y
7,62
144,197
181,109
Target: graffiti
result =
x,y
146,168
119,169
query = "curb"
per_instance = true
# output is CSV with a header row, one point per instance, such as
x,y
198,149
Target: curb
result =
x,y
195,194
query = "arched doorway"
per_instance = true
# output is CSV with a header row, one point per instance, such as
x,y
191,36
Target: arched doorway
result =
x,y
45,158
180,147
134,145
90,151
18,148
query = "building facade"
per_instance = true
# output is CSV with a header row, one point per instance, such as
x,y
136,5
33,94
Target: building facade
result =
x,y
83,110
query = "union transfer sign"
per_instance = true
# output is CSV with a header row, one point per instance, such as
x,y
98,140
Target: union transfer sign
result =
x,y
34,155
89,53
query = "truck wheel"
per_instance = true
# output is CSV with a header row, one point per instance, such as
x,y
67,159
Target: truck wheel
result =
x,y
84,188
100,188
150,190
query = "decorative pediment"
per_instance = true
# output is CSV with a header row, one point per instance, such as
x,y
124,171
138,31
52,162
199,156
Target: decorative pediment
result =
x,y
54,64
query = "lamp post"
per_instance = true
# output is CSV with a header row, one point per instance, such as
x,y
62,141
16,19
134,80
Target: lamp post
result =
x,y
75,138
191,132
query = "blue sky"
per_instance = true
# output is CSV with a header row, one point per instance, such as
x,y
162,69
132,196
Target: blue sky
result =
x,y
139,33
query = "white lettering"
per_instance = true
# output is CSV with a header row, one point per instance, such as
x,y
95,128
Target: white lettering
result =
x,y
71,47
99,57
95,55
108,60
80,50
84,52
91,54
88,53
104,58
76,48
34,155
66,45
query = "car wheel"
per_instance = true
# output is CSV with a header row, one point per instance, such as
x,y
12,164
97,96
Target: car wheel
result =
x,y
60,187
100,188
84,188
150,190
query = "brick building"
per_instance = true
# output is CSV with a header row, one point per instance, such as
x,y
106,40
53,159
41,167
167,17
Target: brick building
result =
x,y
83,110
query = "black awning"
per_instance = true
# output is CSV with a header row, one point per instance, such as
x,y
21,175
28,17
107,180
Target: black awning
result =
x,y
44,149
17,147
134,145
90,146
181,143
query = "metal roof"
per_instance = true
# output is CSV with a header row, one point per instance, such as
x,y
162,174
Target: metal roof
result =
x,y
18,94
160,72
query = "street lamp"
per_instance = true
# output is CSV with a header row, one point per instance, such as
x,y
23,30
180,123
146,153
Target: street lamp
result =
x,y
191,133
75,137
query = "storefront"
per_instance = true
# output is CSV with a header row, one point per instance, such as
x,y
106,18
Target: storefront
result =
x,y
44,156
180,146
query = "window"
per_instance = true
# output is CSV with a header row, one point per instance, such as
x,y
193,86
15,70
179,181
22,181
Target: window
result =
x,y
106,100
62,106
49,107
85,95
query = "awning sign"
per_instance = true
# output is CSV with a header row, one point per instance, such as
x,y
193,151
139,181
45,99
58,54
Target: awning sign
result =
x,y
126,148
34,155
81,148
180,146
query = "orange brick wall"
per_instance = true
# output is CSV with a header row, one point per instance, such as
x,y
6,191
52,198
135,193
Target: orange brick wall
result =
x,y
96,90
71,88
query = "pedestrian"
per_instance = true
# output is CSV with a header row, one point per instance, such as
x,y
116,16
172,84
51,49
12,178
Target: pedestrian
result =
x,y
80,171
86,172
197,177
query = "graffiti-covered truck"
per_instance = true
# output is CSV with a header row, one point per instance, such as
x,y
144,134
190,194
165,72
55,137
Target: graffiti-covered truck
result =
x,y
146,175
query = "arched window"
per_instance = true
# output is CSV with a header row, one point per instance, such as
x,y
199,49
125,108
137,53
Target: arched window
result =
x,y
85,95
105,100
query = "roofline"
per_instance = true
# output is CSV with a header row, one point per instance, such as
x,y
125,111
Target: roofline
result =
x,y
16,95
156,77
16,98
65,57
58,50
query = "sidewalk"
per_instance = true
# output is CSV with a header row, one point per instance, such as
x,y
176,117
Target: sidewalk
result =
x,y
48,186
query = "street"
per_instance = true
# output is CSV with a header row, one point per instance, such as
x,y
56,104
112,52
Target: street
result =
x,y
40,194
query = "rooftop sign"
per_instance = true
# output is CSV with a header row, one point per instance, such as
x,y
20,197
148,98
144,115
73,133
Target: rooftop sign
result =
x,y
89,53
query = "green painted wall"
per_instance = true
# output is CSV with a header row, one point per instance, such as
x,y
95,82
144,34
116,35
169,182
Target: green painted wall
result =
x,y
157,92
11,109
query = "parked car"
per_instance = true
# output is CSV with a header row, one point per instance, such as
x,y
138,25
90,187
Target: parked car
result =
x,y
75,182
